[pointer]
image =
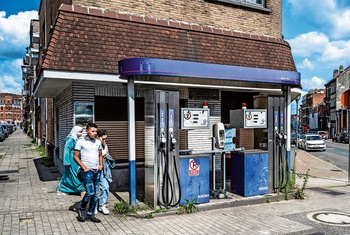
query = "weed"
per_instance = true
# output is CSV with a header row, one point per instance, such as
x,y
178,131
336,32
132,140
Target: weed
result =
x,y
160,210
149,216
189,207
124,208
299,194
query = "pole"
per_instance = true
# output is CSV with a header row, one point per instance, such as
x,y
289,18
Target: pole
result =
x,y
131,141
349,141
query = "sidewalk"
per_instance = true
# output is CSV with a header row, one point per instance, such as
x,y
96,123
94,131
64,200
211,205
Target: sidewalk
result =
x,y
31,206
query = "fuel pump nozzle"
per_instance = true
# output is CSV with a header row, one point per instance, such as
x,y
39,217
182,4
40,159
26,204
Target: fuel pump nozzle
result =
x,y
162,138
173,141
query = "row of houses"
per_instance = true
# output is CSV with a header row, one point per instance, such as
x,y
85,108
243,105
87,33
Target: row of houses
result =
x,y
98,61
323,109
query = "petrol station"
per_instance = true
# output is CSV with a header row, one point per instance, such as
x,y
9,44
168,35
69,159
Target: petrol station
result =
x,y
258,156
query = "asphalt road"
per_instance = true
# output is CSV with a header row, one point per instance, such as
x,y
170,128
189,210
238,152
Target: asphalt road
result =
x,y
337,154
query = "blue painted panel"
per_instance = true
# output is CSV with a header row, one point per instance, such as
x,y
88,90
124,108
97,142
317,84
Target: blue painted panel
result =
x,y
249,173
194,179
163,67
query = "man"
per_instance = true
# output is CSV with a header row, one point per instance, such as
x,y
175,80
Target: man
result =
x,y
90,150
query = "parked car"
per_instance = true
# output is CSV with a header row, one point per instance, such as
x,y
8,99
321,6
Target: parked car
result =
x,y
10,128
300,139
293,138
6,131
341,137
335,137
323,134
346,138
313,142
2,134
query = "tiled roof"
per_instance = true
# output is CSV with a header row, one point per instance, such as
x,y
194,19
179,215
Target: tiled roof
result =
x,y
93,40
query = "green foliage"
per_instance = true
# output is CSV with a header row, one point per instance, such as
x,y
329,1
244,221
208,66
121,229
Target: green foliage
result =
x,y
124,208
160,210
149,216
299,194
42,152
189,207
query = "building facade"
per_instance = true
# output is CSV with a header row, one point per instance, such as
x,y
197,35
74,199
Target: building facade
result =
x,y
338,114
312,111
83,43
10,109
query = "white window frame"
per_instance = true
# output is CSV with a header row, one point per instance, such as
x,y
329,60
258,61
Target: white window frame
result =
x,y
255,4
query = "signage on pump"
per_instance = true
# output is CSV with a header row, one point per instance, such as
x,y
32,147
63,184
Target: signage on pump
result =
x,y
193,167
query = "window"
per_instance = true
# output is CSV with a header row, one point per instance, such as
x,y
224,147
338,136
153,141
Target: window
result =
x,y
255,4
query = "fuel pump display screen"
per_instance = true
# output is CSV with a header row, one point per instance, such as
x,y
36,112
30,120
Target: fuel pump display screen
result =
x,y
195,118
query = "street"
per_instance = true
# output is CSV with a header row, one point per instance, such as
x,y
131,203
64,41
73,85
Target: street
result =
x,y
31,206
337,154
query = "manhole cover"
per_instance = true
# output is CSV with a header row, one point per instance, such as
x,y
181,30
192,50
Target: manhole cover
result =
x,y
330,218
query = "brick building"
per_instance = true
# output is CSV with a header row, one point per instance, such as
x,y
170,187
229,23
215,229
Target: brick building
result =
x,y
337,113
313,111
10,108
84,43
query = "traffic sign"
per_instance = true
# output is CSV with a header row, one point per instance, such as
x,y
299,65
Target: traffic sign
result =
x,y
344,100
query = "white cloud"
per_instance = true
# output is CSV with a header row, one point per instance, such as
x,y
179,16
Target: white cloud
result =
x,y
14,33
14,38
302,7
307,64
308,43
314,82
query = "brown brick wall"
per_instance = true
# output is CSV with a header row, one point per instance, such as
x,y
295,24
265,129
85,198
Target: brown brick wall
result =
x,y
8,108
50,122
317,99
202,12
83,41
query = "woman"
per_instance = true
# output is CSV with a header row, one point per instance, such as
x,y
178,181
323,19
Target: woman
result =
x,y
69,182
106,176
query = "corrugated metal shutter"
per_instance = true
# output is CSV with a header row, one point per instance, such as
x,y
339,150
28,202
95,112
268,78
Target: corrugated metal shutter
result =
x,y
200,140
118,138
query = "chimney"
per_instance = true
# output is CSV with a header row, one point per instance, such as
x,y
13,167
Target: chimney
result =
x,y
341,69
335,73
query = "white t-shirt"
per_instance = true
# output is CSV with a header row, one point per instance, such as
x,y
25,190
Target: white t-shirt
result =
x,y
89,152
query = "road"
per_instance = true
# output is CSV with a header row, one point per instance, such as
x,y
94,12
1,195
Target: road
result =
x,y
337,154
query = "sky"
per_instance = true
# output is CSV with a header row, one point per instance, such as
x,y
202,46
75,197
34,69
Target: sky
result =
x,y
318,32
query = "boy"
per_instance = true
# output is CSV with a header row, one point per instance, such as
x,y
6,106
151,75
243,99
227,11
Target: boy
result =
x,y
90,150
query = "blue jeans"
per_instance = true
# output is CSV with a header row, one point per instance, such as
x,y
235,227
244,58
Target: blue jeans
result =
x,y
104,186
91,181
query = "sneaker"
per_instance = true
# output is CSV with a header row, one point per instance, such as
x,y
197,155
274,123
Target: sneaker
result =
x,y
93,219
104,210
81,215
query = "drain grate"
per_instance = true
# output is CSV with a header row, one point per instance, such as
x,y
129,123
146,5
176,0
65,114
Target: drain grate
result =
x,y
330,218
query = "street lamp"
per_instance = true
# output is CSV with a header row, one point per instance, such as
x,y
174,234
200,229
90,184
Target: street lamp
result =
x,y
27,69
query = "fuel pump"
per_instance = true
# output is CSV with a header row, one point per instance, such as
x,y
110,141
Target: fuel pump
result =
x,y
169,190
277,145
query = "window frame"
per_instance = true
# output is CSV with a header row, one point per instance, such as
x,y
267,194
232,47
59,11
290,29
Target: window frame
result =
x,y
256,6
